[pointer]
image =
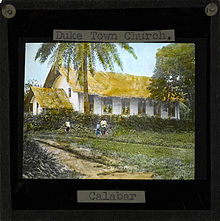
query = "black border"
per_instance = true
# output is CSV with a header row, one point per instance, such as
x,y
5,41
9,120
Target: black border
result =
x,y
212,214
22,199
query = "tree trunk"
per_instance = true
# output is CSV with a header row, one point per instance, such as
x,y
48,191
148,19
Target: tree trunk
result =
x,y
85,80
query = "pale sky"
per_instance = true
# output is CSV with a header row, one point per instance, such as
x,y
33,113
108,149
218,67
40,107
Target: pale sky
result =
x,y
143,66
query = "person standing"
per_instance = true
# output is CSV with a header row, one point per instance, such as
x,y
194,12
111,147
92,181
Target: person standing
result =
x,y
67,126
98,128
103,125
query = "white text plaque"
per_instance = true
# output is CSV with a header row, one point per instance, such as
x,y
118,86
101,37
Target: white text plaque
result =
x,y
114,36
110,196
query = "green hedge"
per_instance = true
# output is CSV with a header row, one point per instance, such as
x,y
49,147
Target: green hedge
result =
x,y
54,119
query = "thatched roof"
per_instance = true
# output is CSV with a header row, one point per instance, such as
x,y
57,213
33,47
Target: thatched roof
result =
x,y
51,77
27,99
112,84
51,98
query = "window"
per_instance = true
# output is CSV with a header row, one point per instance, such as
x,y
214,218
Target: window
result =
x,y
91,103
37,108
69,92
171,110
141,106
157,110
107,105
125,106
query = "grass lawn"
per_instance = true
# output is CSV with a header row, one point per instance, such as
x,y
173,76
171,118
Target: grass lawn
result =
x,y
167,155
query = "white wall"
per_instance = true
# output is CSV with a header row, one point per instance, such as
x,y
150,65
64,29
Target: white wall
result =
x,y
40,109
34,107
116,105
98,105
74,100
36,110
62,83
177,111
164,112
81,102
149,108
133,106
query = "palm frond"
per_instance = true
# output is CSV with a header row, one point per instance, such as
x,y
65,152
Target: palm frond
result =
x,y
45,51
71,55
126,47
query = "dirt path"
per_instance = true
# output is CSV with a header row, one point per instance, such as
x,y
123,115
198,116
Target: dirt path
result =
x,y
88,163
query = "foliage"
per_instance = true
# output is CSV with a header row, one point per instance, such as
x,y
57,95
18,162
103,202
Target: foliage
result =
x,y
40,163
55,119
72,54
139,144
28,85
48,119
185,111
124,135
167,139
164,161
174,74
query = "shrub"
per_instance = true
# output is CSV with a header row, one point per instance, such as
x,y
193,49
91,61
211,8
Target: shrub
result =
x,y
40,163
54,119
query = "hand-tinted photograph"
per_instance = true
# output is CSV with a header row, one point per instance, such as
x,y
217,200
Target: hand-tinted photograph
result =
x,y
109,111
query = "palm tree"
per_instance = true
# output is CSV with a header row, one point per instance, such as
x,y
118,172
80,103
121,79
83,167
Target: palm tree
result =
x,y
82,57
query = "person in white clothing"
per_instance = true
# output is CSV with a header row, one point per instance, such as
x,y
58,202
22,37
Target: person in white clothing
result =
x,y
103,125
67,126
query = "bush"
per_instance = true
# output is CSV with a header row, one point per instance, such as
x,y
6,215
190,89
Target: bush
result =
x,y
142,123
50,119
54,119
40,163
